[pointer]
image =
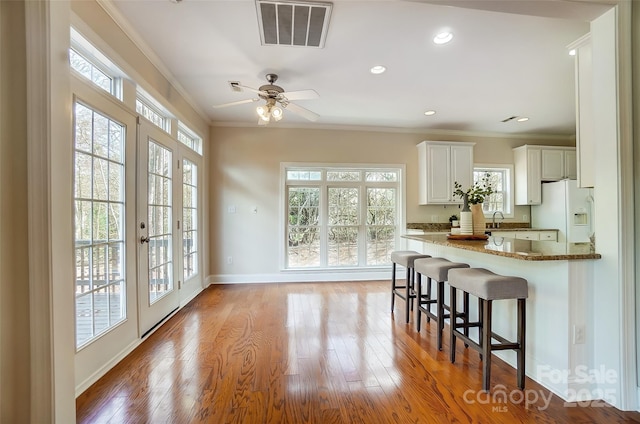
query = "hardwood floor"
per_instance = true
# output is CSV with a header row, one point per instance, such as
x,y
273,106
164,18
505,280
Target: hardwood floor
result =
x,y
311,353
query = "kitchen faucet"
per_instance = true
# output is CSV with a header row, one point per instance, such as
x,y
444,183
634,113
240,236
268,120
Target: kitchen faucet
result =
x,y
494,219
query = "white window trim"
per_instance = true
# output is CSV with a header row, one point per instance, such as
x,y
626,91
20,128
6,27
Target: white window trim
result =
x,y
511,187
400,209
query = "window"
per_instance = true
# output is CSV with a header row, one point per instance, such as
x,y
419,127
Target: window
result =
x,y
341,217
87,61
189,138
501,181
189,218
89,71
99,188
146,109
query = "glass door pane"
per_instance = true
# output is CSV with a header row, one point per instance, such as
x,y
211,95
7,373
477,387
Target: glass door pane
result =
x,y
99,188
159,220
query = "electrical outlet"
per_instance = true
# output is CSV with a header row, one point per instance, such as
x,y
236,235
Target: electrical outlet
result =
x,y
525,217
434,218
229,260
578,334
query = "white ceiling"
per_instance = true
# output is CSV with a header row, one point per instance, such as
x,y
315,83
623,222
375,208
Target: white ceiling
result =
x,y
498,65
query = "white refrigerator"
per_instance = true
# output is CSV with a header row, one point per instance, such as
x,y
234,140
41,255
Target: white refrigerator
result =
x,y
567,208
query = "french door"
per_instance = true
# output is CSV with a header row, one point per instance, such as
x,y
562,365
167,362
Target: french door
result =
x,y
159,263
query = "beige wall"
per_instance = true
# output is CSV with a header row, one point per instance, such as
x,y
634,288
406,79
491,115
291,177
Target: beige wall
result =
x,y
245,172
14,267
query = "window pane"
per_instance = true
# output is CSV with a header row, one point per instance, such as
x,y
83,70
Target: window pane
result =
x,y
304,175
90,71
343,246
98,223
190,140
159,221
189,218
303,249
380,244
343,175
381,176
497,179
381,206
343,206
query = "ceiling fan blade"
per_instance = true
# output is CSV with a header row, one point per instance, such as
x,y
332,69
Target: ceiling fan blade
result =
x,y
264,93
300,95
239,102
305,113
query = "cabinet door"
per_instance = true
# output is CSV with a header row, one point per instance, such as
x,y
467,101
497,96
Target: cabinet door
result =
x,y
570,165
549,235
527,235
439,183
552,165
505,234
461,166
534,186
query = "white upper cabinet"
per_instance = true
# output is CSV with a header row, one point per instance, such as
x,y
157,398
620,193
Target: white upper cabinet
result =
x,y
535,164
528,166
558,163
440,164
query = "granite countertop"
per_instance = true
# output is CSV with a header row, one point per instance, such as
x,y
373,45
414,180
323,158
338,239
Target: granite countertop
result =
x,y
528,250
445,228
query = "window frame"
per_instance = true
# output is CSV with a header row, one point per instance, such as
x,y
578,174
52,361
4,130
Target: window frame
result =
x,y
85,49
508,169
324,184
190,134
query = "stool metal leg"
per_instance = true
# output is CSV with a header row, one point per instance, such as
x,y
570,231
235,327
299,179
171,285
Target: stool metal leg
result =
x,y
393,284
429,297
521,341
408,299
418,277
486,345
480,309
452,326
440,307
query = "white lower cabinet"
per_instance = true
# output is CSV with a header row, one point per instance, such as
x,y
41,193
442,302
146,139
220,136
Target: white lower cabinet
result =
x,y
527,235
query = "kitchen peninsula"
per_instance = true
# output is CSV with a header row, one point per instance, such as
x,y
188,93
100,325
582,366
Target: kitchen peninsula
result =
x,y
560,277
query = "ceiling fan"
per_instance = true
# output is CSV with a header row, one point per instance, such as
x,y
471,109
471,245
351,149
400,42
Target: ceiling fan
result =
x,y
276,100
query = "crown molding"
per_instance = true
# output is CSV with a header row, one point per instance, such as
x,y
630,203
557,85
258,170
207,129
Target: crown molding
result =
x,y
115,14
423,132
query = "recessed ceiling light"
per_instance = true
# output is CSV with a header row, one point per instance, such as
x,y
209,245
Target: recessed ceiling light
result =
x,y
572,52
378,69
430,112
522,119
443,37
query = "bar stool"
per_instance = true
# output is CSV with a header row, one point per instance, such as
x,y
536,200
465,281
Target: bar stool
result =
x,y
406,292
436,269
487,287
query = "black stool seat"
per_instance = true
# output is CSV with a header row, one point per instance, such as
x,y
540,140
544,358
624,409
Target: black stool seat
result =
x,y
487,287
435,269
406,259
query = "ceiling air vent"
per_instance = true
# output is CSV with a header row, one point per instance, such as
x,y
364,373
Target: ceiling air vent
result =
x,y
288,23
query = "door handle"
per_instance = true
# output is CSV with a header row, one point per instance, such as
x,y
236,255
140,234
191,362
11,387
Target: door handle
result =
x,y
144,240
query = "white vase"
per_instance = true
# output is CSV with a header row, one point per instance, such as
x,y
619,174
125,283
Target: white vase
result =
x,y
466,223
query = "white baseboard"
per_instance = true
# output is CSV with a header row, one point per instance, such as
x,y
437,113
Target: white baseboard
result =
x,y
301,276
80,388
